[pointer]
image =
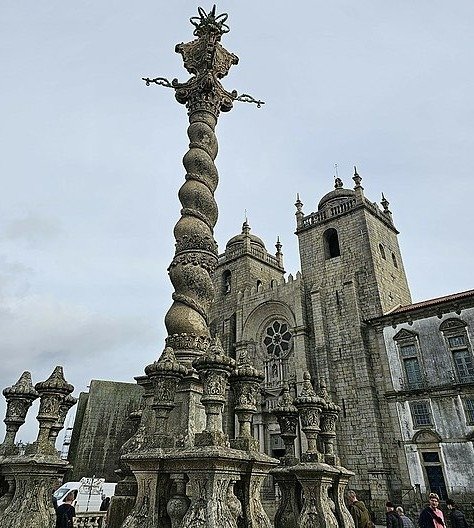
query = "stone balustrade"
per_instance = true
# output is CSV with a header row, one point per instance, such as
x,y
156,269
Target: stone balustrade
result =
x,y
90,520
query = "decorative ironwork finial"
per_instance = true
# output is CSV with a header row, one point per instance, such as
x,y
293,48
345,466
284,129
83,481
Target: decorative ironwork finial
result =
x,y
209,23
208,62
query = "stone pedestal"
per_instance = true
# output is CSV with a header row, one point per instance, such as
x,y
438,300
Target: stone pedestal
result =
x,y
35,479
188,416
123,501
179,488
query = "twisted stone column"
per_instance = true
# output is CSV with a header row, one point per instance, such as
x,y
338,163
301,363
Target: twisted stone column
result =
x,y
196,250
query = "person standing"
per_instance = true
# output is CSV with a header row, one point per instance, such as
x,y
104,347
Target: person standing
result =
x,y
359,511
407,522
432,516
457,518
393,519
66,512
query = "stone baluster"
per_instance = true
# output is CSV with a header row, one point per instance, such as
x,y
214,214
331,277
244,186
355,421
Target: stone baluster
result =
x,y
19,399
318,510
67,403
329,416
123,500
52,393
214,368
310,405
7,498
179,503
245,383
165,375
287,416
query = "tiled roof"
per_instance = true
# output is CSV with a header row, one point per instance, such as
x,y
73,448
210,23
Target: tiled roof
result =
x,y
433,302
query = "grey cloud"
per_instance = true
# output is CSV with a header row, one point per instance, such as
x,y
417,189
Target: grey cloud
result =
x,y
14,278
39,333
32,228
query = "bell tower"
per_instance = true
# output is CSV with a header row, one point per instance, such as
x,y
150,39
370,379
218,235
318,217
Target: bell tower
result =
x,y
352,270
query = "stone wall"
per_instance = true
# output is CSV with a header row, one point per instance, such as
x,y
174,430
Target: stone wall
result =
x,y
101,428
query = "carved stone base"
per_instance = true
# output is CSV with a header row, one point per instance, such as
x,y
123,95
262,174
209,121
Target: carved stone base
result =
x,y
35,477
313,496
208,474
245,444
211,438
312,457
122,502
164,441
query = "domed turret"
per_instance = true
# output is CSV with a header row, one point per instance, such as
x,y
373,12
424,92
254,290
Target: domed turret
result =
x,y
245,236
337,196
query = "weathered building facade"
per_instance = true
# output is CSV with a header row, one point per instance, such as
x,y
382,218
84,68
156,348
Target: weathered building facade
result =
x,y
430,390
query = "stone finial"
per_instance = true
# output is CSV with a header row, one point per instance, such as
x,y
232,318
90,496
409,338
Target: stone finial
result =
x,y
67,403
165,375
19,398
329,416
298,204
53,392
287,416
279,254
245,383
278,246
386,211
214,368
299,211
310,405
357,179
338,183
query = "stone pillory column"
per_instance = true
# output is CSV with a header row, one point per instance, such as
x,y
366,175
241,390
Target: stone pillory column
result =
x,y
187,321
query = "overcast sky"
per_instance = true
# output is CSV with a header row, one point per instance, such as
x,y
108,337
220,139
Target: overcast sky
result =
x,y
91,157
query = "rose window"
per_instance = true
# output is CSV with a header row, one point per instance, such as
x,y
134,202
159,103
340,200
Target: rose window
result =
x,y
277,339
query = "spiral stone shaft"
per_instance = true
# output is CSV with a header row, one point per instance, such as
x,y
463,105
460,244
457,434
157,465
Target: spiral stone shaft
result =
x,y
196,251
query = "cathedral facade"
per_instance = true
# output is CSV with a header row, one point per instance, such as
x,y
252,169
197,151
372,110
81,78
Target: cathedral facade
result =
x,y
348,319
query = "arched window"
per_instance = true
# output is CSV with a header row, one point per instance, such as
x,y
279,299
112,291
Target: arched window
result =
x,y
226,282
259,285
331,244
382,251
394,259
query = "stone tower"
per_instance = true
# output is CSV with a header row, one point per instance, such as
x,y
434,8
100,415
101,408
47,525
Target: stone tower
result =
x,y
245,264
352,271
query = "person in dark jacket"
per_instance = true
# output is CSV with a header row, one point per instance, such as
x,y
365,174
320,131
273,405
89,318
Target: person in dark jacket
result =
x,y
432,516
457,518
359,511
393,519
66,512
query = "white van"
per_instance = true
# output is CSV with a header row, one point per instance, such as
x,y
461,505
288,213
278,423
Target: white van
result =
x,y
90,493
